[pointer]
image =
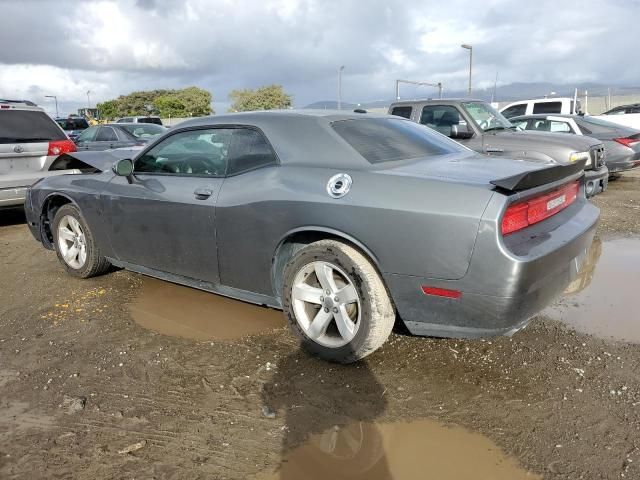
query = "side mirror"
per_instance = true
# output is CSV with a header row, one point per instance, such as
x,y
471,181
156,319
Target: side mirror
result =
x,y
460,132
123,167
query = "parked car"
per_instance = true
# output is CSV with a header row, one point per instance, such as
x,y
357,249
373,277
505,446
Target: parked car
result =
x,y
340,219
556,105
29,142
118,135
625,115
73,126
622,144
477,125
140,119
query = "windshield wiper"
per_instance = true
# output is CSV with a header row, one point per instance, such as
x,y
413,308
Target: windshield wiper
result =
x,y
500,127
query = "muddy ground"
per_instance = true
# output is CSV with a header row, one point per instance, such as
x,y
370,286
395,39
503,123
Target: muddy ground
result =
x,y
86,392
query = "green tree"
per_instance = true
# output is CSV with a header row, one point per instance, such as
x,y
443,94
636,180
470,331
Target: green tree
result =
x,y
108,109
263,98
191,101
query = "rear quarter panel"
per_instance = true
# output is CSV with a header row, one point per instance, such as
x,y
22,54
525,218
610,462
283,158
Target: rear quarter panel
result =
x,y
412,226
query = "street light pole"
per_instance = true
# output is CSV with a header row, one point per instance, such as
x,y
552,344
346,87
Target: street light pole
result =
x,y
340,87
470,48
56,100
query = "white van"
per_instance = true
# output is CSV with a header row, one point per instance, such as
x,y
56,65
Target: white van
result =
x,y
555,105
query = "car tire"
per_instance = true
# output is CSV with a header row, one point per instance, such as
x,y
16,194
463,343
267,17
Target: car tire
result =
x,y
344,330
78,236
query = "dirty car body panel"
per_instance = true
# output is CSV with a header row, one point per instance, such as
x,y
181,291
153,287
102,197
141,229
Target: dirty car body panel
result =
x,y
431,220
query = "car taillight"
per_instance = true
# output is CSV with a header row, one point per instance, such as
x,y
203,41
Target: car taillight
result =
x,y
523,214
627,141
59,147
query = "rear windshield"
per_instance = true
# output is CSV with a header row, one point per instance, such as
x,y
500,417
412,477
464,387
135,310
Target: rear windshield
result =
x,y
73,123
155,120
386,139
144,130
24,126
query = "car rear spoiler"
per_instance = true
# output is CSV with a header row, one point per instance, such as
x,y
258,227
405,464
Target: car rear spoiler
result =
x,y
90,161
536,178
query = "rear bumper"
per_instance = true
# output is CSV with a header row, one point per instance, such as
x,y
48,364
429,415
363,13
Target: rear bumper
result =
x,y
12,197
507,282
624,163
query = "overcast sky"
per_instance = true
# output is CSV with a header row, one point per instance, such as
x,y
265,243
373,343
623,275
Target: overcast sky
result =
x,y
65,48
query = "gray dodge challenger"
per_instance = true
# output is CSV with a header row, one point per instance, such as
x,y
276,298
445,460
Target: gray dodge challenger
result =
x,y
343,220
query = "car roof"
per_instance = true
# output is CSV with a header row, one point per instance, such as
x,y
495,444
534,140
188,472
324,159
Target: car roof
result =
x,y
263,116
19,105
625,106
441,101
299,137
545,115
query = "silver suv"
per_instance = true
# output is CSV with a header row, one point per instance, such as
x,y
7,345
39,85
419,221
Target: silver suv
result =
x,y
147,119
30,141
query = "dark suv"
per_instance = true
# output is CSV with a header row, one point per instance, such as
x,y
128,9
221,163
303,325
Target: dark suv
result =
x,y
73,126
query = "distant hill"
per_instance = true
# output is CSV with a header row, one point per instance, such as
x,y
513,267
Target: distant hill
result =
x,y
504,93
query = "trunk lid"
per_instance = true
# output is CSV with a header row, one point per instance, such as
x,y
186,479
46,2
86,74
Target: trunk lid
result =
x,y
505,173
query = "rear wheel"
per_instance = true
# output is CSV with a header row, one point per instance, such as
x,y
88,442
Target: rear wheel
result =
x,y
75,245
336,302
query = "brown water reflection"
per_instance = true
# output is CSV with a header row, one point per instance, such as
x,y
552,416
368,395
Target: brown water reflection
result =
x,y
602,300
398,451
186,312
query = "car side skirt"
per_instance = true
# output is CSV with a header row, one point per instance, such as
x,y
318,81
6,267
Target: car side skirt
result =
x,y
235,293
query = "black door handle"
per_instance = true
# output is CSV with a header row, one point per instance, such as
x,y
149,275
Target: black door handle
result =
x,y
202,193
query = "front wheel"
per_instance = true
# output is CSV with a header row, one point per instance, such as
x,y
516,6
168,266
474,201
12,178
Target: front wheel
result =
x,y
336,302
75,245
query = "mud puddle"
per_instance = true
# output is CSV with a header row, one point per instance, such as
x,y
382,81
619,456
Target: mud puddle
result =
x,y
186,312
398,451
603,299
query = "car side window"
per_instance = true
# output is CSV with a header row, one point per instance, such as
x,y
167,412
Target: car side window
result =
x,y
520,124
440,117
560,127
248,150
106,134
88,135
515,110
402,111
123,136
201,152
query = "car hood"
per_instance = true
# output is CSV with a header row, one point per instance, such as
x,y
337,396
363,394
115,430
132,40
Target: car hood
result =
x,y
507,173
542,141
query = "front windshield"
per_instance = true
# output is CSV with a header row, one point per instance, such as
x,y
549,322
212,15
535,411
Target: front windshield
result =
x,y
144,130
486,117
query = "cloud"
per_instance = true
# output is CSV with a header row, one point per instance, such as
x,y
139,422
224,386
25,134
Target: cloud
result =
x,y
113,47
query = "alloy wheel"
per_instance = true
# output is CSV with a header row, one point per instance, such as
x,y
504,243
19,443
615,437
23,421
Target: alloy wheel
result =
x,y
72,242
326,304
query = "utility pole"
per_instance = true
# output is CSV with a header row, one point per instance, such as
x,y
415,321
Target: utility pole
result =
x,y
470,48
340,87
56,100
495,85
